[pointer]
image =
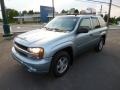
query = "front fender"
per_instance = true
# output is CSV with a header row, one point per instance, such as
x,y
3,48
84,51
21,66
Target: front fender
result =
x,y
59,47
103,33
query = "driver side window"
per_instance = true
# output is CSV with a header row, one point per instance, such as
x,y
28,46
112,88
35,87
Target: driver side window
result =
x,y
85,23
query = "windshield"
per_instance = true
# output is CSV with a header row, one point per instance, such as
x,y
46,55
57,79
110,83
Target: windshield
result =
x,y
62,23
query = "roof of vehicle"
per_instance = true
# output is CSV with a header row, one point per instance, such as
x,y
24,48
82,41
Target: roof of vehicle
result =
x,y
79,16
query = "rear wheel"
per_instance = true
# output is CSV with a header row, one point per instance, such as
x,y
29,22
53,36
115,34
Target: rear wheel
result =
x,y
100,45
60,63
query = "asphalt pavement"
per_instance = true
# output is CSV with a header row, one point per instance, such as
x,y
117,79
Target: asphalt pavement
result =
x,y
91,71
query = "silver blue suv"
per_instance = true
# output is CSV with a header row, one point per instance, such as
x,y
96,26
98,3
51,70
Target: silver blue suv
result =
x,y
54,47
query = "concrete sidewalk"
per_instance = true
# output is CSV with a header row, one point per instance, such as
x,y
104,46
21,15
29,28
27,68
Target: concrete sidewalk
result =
x,y
23,27
114,27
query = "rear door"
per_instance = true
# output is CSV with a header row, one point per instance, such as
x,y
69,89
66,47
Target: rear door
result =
x,y
95,32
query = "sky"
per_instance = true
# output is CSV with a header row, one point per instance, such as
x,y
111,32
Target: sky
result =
x,y
21,5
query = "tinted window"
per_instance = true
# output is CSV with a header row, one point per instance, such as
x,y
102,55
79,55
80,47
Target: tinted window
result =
x,y
95,23
85,23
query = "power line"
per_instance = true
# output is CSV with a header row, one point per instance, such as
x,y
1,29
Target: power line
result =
x,y
117,2
104,3
98,1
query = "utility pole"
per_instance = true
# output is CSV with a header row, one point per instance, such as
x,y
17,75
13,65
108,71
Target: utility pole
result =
x,y
53,8
6,26
101,9
109,12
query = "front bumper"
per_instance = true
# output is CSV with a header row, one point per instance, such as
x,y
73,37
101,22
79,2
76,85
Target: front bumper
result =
x,y
39,66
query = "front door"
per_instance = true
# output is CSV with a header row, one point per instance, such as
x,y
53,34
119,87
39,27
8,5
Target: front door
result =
x,y
83,39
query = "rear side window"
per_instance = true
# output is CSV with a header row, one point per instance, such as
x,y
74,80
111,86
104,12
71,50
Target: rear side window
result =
x,y
95,23
102,22
85,23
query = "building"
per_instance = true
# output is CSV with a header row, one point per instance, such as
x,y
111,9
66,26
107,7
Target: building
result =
x,y
46,14
91,10
35,18
88,11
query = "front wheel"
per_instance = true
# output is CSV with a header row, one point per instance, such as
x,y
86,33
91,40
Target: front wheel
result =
x,y
100,45
60,63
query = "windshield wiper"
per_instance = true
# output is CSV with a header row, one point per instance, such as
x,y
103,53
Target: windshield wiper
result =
x,y
54,29
46,28
49,29
58,30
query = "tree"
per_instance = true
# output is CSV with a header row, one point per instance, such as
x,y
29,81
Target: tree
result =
x,y
24,12
106,17
30,12
36,12
101,15
72,9
10,14
113,20
76,11
118,18
64,11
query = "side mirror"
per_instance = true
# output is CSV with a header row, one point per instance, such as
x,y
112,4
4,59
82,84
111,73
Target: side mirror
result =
x,y
83,30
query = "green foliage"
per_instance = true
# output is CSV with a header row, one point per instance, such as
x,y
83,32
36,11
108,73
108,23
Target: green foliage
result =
x,y
76,11
101,15
1,20
24,12
31,12
64,11
112,20
118,18
10,14
105,17
72,10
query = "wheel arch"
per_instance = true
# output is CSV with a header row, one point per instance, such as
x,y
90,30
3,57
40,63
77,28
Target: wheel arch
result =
x,y
69,50
104,37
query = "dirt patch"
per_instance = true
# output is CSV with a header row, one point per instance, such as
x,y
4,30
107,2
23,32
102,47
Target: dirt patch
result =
x,y
1,38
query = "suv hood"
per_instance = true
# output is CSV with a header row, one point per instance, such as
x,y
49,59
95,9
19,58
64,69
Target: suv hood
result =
x,y
41,35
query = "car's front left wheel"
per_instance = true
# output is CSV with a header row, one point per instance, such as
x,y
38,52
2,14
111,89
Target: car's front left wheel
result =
x,y
60,63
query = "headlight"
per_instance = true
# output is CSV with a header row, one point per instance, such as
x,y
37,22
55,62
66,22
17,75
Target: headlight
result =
x,y
37,52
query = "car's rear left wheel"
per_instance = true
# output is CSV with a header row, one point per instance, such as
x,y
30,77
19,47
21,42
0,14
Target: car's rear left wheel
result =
x,y
100,45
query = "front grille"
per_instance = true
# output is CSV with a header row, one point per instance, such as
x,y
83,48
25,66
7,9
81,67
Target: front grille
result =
x,y
21,46
21,53
20,49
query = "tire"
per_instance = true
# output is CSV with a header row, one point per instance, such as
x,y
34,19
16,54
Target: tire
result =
x,y
60,63
100,45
